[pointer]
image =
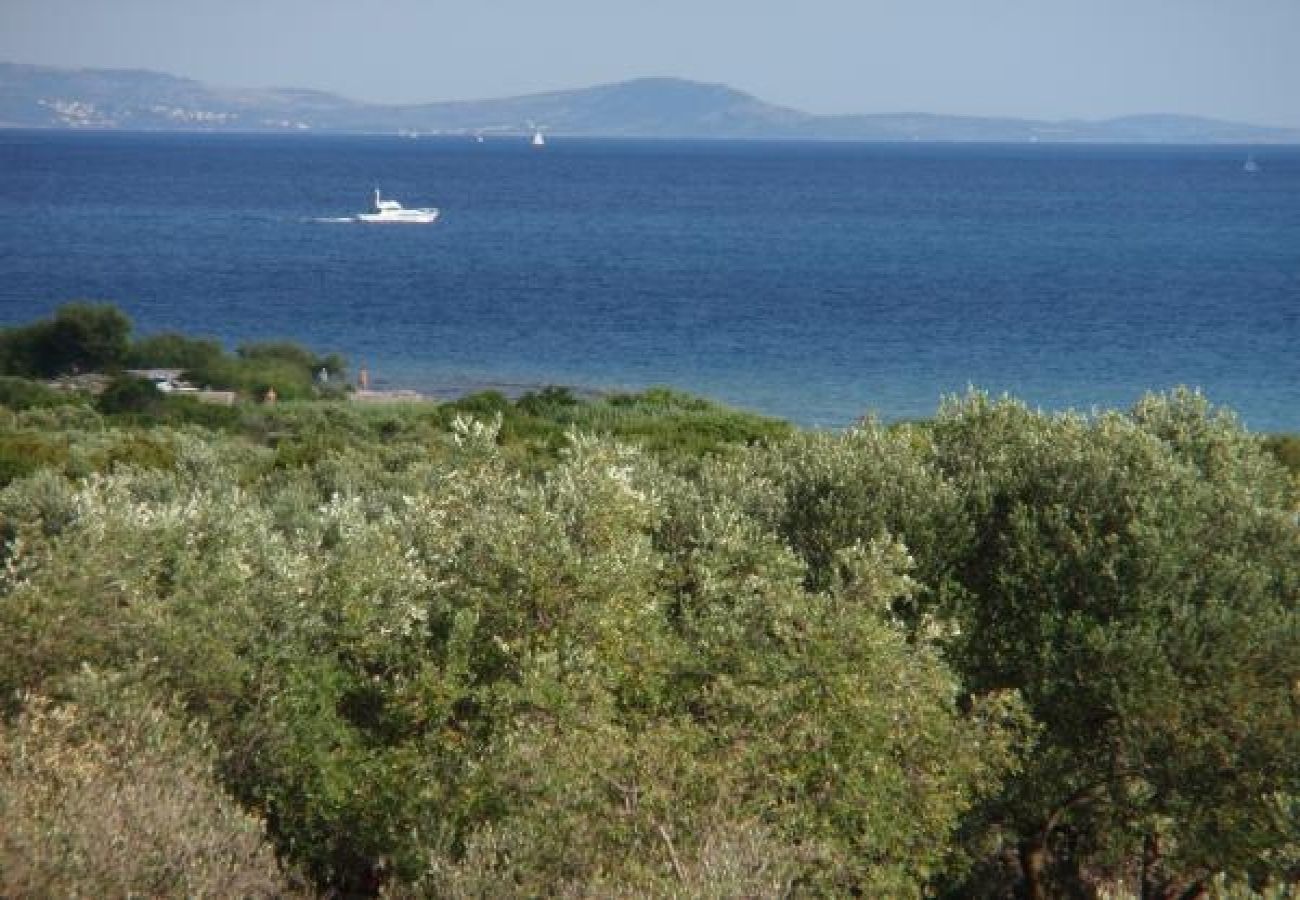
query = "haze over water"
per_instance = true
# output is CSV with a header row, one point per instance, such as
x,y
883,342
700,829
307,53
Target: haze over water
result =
x,y
815,282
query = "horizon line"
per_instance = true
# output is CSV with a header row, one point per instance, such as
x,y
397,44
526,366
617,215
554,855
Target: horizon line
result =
x,y
1054,120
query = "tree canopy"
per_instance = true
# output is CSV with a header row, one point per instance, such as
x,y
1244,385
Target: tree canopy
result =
x,y
644,646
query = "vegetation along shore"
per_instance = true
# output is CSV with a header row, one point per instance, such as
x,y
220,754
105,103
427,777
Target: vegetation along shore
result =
x,y
631,645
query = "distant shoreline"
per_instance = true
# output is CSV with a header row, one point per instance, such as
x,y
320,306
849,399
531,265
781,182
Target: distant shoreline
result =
x,y
641,108
521,138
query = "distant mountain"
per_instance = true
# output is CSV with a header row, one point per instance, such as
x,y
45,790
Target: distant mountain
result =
x,y
47,97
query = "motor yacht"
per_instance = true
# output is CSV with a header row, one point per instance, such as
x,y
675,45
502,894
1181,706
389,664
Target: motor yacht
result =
x,y
392,211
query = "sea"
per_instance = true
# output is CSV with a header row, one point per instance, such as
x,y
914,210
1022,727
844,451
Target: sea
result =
x,y
817,282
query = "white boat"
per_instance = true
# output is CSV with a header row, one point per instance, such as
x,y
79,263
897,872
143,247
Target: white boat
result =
x,y
538,140
392,211
1251,165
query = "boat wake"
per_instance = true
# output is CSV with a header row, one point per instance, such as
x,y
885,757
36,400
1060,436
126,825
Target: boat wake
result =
x,y
334,220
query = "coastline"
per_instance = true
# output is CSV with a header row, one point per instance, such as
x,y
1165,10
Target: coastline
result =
x,y
400,391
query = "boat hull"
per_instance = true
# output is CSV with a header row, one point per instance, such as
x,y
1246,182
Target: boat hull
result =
x,y
404,217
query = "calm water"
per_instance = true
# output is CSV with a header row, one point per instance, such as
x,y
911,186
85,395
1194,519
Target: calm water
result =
x,y
812,281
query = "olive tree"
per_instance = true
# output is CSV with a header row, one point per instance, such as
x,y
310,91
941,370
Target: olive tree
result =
x,y
1136,579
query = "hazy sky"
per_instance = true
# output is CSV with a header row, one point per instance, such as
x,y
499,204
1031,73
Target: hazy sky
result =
x,y
1236,59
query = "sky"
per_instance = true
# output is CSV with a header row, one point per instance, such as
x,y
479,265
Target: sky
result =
x,y
1043,59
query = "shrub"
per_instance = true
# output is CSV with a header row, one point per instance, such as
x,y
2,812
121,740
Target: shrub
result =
x,y
131,395
484,404
546,401
292,354
187,410
113,795
81,337
879,661
74,419
19,394
23,453
175,351
1286,447
1136,579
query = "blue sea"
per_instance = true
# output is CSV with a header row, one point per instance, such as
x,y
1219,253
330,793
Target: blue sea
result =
x,y
813,281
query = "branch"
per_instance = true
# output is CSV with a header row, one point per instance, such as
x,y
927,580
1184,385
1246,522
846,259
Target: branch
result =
x,y
672,854
1079,796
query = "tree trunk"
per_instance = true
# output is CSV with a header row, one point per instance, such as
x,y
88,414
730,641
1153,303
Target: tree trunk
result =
x,y
1033,866
1152,886
1195,891
1157,887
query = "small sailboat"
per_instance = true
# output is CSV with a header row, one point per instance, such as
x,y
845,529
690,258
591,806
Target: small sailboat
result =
x,y
1250,166
538,139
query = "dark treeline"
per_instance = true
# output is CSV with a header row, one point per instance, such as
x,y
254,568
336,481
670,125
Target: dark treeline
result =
x,y
88,337
637,645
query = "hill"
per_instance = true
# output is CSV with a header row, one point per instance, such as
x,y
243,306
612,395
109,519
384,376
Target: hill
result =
x,y
48,97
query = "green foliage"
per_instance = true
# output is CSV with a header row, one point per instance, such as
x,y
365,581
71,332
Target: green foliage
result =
x,y
1136,580
24,453
466,635
823,492
82,337
182,409
253,378
645,646
293,355
128,394
175,351
21,393
97,338
483,404
137,451
131,400
674,424
1286,447
291,370
547,401
669,424
112,794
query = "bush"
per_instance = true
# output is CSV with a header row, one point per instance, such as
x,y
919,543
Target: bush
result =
x,y
1135,577
175,351
112,795
484,404
292,354
24,453
127,394
81,337
180,409
547,401
880,663
1286,449
19,394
